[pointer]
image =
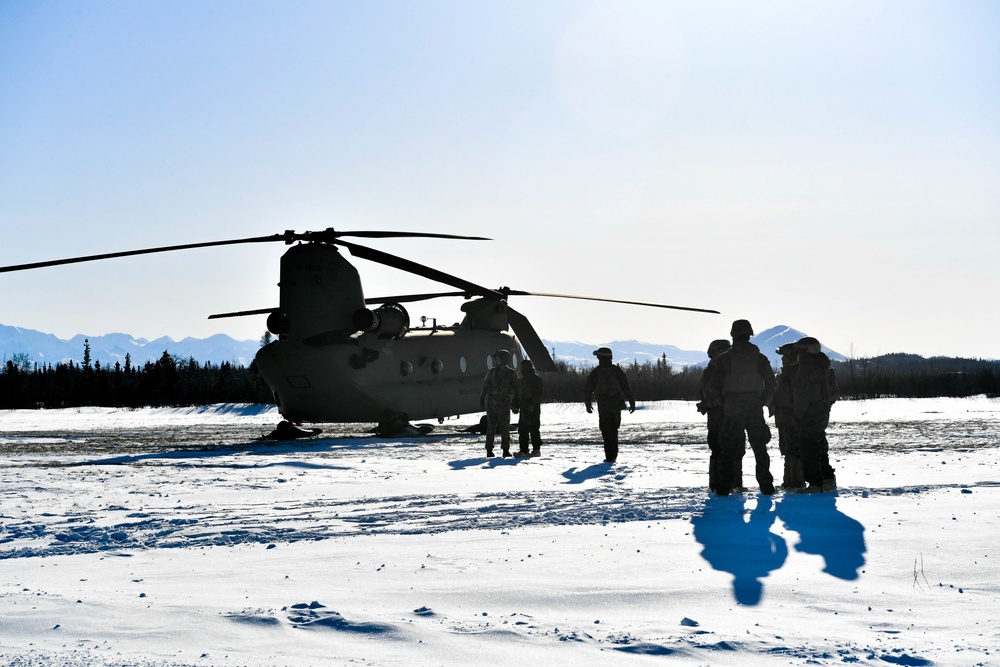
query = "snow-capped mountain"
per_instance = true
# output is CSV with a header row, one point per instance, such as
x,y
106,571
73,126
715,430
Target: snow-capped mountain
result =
x,y
109,348
770,340
627,351
46,348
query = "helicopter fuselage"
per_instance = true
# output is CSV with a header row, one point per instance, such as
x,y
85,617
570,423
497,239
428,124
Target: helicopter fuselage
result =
x,y
433,372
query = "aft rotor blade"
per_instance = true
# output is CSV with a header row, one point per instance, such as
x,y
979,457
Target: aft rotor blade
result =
x,y
397,262
243,313
596,298
533,345
406,298
146,251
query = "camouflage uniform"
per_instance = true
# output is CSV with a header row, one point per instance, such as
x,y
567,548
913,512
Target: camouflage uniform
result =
x,y
608,384
814,390
745,382
710,405
781,406
498,396
530,405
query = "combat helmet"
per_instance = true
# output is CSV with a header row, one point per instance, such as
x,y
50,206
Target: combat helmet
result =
x,y
603,352
502,356
788,349
741,328
809,345
717,347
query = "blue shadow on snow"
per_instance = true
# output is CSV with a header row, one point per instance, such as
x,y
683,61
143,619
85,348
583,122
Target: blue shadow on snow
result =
x,y
578,475
825,531
744,547
738,539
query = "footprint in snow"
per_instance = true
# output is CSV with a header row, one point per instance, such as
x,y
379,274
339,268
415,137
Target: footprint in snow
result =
x,y
314,615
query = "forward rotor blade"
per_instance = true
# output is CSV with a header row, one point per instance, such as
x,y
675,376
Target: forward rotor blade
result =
x,y
328,236
242,313
532,344
596,298
388,235
419,269
146,251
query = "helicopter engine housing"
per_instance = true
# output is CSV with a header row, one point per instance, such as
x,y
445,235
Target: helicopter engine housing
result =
x,y
388,321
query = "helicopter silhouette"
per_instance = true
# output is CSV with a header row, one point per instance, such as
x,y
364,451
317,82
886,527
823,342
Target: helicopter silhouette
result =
x,y
335,360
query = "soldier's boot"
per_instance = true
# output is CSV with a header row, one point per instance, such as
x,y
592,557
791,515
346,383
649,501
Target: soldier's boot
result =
x,y
830,484
536,451
794,478
489,452
506,453
737,484
766,481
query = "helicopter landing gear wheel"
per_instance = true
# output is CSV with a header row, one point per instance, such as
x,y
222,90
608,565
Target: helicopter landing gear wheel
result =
x,y
393,424
397,425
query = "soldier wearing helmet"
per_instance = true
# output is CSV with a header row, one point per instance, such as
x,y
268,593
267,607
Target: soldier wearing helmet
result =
x,y
498,397
530,405
744,381
782,409
814,390
608,384
711,406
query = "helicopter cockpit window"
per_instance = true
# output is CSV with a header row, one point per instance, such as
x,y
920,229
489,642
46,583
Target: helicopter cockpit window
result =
x,y
463,364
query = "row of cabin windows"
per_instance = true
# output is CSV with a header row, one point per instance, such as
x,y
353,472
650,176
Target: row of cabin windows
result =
x,y
405,367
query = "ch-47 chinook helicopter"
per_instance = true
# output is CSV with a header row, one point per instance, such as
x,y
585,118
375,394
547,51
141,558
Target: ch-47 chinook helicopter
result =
x,y
335,359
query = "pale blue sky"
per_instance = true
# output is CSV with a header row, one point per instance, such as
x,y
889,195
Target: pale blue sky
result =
x,y
833,166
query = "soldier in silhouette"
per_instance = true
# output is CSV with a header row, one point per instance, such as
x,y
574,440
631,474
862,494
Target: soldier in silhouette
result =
x,y
744,380
499,395
814,390
529,404
711,406
782,409
608,384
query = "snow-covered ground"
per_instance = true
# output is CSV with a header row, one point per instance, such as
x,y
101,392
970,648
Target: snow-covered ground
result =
x,y
173,537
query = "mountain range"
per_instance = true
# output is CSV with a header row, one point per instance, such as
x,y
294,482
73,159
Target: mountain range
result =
x,y
46,348
43,348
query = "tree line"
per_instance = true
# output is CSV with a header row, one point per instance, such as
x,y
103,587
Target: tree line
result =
x,y
886,376
167,382
172,382
911,376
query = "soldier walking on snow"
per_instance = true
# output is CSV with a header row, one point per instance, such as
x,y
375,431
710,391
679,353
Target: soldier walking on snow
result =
x,y
498,397
745,382
608,384
530,405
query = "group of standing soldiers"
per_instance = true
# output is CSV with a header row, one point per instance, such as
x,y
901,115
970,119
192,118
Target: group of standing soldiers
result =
x,y
504,392
738,384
